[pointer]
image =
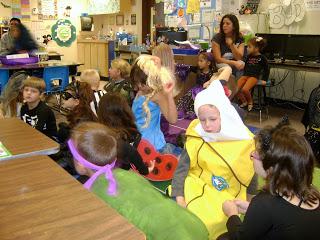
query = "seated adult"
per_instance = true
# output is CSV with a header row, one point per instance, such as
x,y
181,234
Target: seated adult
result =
x,y
288,207
215,164
228,47
22,39
7,41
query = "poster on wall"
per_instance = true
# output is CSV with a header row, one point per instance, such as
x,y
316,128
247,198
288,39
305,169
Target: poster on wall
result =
x,y
103,6
312,5
170,6
63,32
64,9
48,9
16,8
205,3
25,10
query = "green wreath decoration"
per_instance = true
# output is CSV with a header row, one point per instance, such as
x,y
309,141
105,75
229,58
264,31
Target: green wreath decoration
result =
x,y
63,32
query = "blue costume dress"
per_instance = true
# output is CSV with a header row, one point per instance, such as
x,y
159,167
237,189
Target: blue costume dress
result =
x,y
152,132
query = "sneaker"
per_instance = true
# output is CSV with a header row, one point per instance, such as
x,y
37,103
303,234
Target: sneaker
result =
x,y
250,107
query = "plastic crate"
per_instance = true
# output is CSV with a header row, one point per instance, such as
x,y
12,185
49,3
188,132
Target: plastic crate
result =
x,y
4,77
185,51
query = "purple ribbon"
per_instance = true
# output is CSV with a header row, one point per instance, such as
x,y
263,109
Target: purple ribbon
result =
x,y
107,169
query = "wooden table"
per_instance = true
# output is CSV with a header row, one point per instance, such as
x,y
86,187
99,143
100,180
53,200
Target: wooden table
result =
x,y
22,140
39,200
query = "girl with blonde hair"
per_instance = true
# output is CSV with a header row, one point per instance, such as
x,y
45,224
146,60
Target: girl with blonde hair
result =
x,y
154,85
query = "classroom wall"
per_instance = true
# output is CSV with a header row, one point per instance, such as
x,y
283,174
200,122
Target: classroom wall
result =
x,y
102,22
298,85
309,25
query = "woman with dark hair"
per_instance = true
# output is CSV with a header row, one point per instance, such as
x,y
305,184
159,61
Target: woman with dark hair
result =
x,y
23,41
228,44
115,112
288,206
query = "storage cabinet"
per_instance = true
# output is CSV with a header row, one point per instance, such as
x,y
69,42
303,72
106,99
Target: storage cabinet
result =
x,y
95,54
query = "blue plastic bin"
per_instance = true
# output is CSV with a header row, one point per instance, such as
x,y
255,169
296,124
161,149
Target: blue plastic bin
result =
x,y
185,51
4,77
56,78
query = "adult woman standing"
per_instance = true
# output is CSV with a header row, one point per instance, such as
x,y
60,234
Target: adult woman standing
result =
x,y
228,44
288,207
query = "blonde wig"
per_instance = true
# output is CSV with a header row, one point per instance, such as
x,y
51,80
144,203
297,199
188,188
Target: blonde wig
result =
x,y
146,71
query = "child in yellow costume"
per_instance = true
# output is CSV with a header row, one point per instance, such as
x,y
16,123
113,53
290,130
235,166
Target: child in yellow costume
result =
x,y
215,165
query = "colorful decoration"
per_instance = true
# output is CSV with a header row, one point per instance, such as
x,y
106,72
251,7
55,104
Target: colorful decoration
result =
x,y
165,164
63,32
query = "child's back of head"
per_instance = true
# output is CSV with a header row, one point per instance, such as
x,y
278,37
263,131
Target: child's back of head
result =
x,y
123,66
95,142
115,112
91,76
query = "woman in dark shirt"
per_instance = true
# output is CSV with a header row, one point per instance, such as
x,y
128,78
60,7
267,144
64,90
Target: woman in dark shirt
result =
x,y
23,41
115,112
228,45
288,206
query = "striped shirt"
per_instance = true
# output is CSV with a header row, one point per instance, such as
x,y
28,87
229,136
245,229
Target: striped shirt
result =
x,y
95,103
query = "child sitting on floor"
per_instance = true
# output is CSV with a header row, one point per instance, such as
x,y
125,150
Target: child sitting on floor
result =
x,y
93,147
119,74
91,76
34,111
155,86
255,64
115,112
206,71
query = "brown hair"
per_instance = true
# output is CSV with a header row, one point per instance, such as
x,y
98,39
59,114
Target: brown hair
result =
x,y
95,142
236,28
35,82
289,161
209,57
258,42
115,112
81,112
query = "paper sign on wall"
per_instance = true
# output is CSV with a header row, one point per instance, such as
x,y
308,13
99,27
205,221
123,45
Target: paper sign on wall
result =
x,y
208,15
312,5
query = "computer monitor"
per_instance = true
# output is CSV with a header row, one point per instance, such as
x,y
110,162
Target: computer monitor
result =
x,y
302,47
275,47
86,23
171,35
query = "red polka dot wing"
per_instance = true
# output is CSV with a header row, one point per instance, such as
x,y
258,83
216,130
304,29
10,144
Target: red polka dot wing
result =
x,y
165,164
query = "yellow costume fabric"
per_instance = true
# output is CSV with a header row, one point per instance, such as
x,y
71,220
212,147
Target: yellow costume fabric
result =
x,y
202,198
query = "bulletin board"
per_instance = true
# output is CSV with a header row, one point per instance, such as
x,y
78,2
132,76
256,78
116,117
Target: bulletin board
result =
x,y
48,9
21,6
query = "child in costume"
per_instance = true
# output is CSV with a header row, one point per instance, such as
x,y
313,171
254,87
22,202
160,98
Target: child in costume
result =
x,y
215,165
154,85
119,74
94,151
92,77
256,64
115,112
206,73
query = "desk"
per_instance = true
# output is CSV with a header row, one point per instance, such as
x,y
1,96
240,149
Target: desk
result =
x,y
39,200
22,140
296,66
40,65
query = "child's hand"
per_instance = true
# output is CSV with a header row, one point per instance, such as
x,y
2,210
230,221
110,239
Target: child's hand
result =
x,y
151,165
230,208
239,64
181,201
242,205
168,87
